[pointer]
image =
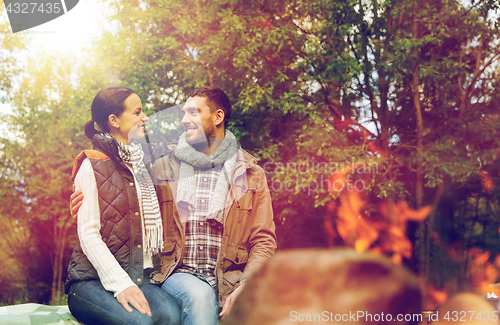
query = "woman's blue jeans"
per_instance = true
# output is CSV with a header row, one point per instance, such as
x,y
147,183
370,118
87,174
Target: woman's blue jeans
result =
x,y
194,298
91,304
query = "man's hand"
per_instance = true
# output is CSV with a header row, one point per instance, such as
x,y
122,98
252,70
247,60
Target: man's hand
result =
x,y
228,305
135,297
75,202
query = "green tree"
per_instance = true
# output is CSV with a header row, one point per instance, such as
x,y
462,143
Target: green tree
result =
x,y
50,104
13,243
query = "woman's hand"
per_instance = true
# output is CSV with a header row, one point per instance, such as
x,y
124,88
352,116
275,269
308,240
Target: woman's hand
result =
x,y
135,297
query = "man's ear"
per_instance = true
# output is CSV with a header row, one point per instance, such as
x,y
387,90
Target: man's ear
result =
x,y
113,121
219,117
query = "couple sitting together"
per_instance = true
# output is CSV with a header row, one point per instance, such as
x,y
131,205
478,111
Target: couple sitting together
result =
x,y
171,240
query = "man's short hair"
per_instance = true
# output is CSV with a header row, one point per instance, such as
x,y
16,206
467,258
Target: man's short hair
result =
x,y
314,284
216,99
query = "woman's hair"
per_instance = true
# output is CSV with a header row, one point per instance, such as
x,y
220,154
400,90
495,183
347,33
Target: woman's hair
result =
x,y
108,101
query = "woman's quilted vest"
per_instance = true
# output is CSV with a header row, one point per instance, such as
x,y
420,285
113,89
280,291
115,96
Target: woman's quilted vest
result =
x,y
121,227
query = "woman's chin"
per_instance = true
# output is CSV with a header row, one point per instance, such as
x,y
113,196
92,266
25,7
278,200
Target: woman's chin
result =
x,y
140,134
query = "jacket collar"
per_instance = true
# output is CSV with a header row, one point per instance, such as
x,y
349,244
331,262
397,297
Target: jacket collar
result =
x,y
106,145
250,161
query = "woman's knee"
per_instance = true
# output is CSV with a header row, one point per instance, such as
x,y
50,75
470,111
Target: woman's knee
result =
x,y
90,303
166,317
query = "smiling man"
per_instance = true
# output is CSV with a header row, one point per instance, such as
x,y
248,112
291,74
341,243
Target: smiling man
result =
x,y
217,213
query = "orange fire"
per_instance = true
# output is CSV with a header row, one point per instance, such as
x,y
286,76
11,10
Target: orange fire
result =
x,y
383,236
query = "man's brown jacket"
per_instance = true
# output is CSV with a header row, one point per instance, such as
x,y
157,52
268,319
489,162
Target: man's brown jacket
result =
x,y
249,237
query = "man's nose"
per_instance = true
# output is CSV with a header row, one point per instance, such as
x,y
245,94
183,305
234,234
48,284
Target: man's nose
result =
x,y
185,119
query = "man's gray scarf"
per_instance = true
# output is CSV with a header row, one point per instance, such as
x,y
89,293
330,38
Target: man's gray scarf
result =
x,y
153,225
191,158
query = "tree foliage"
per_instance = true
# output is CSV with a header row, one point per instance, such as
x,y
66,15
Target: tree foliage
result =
x,y
47,119
408,88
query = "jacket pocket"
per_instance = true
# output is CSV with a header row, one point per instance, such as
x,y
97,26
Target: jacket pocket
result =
x,y
245,202
232,269
238,224
168,259
236,259
230,282
234,264
168,254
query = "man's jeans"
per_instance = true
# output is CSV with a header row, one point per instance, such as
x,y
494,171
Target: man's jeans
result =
x,y
90,303
194,298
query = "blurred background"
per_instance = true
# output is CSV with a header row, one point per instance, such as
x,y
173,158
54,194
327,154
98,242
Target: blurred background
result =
x,y
376,122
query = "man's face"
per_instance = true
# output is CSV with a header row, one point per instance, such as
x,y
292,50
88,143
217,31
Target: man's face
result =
x,y
198,120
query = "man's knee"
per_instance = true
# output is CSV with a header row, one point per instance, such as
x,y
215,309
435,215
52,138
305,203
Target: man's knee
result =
x,y
189,287
203,296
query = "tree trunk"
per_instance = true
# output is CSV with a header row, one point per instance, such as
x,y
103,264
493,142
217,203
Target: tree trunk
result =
x,y
54,293
423,232
57,267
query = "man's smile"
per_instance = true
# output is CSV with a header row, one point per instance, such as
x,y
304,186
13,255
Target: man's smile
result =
x,y
190,129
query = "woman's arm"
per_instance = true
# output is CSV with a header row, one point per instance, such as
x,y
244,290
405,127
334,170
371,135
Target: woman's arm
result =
x,y
111,274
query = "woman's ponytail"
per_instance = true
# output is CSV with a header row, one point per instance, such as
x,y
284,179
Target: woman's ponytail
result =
x,y
90,130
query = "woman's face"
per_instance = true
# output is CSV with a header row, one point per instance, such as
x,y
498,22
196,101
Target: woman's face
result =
x,y
131,121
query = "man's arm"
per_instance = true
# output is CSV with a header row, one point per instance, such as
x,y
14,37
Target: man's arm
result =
x,y
262,240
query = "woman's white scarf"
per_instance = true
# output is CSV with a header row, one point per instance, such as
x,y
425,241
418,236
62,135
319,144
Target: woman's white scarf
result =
x,y
153,225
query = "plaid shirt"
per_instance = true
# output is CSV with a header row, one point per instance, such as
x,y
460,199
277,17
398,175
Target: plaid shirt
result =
x,y
203,239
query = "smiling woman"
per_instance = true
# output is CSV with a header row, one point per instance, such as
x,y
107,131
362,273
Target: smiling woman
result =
x,y
106,278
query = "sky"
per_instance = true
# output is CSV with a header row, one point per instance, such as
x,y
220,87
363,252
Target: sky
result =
x,y
68,34
71,32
